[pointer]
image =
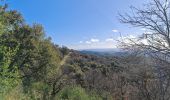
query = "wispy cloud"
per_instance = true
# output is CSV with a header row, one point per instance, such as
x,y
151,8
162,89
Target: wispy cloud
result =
x,y
148,32
109,40
88,42
95,43
131,40
80,41
90,45
143,29
94,40
127,38
114,30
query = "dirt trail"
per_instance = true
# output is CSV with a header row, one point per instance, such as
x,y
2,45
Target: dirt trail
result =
x,y
65,59
58,71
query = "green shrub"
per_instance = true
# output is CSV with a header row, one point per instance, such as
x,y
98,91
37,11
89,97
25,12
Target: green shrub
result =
x,y
39,91
75,93
15,94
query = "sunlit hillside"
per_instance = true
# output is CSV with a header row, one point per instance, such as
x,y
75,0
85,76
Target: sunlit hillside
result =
x,y
84,50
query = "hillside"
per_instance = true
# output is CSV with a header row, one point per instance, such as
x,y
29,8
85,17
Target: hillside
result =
x,y
33,65
104,52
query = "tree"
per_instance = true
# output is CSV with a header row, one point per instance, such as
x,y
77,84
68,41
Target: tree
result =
x,y
64,50
155,18
27,57
9,75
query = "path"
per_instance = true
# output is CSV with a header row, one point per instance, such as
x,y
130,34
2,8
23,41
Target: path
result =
x,y
65,59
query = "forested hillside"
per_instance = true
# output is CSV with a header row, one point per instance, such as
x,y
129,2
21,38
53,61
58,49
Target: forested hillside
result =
x,y
32,67
28,57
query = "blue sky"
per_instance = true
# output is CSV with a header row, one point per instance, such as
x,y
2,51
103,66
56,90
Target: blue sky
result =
x,y
78,24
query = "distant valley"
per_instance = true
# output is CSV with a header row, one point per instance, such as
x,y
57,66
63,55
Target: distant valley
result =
x,y
104,52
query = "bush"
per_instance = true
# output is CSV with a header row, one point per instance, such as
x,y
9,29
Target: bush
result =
x,y
15,94
76,93
39,91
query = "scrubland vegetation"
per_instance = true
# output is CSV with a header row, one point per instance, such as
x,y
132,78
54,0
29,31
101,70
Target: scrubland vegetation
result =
x,y
34,68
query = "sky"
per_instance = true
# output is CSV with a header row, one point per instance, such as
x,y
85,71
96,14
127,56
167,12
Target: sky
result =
x,y
79,24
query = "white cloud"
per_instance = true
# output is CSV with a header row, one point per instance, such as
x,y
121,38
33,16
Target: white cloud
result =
x,y
127,39
143,29
88,42
94,43
114,30
131,39
94,40
148,32
144,41
109,40
90,45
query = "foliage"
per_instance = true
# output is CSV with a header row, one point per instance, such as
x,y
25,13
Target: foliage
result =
x,y
76,93
8,49
9,77
16,94
34,68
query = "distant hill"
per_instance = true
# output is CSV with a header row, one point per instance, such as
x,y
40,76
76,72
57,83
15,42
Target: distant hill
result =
x,y
104,52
